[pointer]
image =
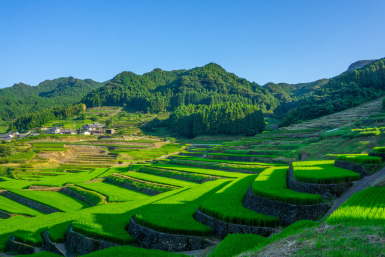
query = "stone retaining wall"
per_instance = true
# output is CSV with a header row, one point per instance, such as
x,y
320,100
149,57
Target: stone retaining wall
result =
x,y
50,246
152,239
80,244
43,188
143,190
5,215
287,213
30,203
73,194
222,228
17,247
362,169
326,190
378,154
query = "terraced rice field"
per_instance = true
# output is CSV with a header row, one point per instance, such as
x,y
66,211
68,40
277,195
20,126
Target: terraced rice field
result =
x,y
13,207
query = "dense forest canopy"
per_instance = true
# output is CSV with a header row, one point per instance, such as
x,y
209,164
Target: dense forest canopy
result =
x,y
342,92
21,99
225,118
159,90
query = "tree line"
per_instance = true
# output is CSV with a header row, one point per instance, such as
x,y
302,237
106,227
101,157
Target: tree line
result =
x,y
226,118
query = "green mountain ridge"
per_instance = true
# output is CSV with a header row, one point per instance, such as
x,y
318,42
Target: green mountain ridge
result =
x,y
21,99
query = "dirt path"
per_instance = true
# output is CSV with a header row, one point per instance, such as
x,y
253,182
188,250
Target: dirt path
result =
x,y
358,186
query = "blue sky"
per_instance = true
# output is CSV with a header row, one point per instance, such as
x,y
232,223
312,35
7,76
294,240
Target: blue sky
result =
x,y
262,41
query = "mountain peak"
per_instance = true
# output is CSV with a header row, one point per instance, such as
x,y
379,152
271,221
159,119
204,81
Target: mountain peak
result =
x,y
359,64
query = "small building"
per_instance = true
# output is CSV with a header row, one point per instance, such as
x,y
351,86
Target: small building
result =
x,y
110,131
5,138
98,125
99,132
54,130
86,133
20,136
90,127
68,131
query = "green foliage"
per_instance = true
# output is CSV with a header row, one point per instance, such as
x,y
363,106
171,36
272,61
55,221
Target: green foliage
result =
x,y
55,200
114,193
13,207
152,153
271,184
235,244
21,99
365,208
226,205
380,149
342,92
154,91
37,119
322,172
139,184
226,118
175,215
93,198
226,161
198,178
360,159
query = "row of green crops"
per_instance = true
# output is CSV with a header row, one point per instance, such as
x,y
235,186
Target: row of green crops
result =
x,y
322,172
13,207
161,180
93,198
294,131
226,205
243,155
217,165
360,159
190,158
175,215
55,200
235,244
197,178
272,184
365,208
199,171
48,144
279,147
380,149
118,251
139,184
114,193
152,153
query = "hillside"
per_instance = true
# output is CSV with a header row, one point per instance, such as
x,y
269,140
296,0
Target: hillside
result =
x,y
21,98
159,90
343,118
341,92
359,64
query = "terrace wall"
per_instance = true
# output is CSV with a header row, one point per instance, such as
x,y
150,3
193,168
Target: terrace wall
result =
x,y
17,247
5,215
326,190
378,154
362,169
286,213
80,244
214,168
30,203
222,228
152,239
73,194
50,246
144,190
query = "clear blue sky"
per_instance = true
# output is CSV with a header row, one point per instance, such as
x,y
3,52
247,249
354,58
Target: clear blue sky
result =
x,y
262,41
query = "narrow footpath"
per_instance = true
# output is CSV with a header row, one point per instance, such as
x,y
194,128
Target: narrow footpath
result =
x,y
358,186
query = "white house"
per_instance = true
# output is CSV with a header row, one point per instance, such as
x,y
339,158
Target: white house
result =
x,y
86,133
54,130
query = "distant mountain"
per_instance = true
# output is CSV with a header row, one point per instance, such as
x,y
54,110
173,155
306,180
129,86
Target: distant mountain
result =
x,y
347,90
359,64
21,98
156,90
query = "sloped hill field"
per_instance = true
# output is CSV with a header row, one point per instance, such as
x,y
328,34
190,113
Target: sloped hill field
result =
x,y
238,197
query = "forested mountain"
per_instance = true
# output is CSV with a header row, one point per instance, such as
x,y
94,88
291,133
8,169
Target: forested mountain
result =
x,y
225,118
158,89
342,92
21,99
